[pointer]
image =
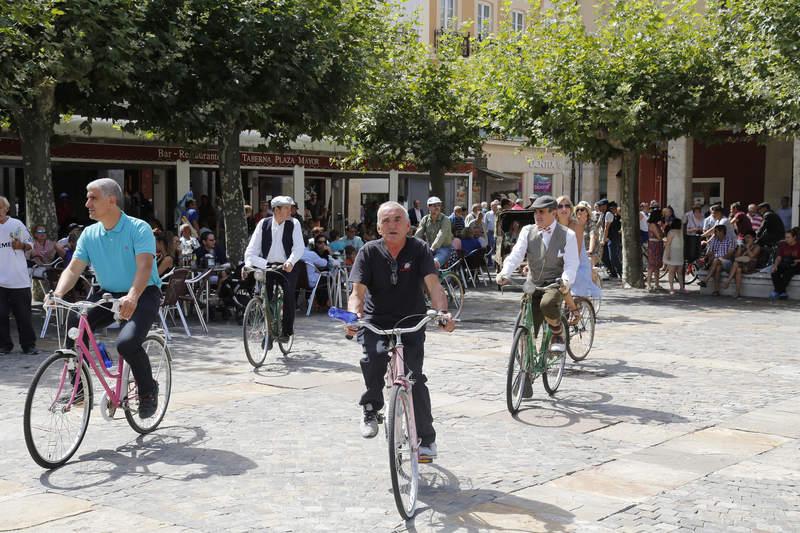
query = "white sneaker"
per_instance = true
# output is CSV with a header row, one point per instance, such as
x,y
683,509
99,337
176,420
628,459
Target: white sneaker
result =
x,y
369,424
428,451
557,344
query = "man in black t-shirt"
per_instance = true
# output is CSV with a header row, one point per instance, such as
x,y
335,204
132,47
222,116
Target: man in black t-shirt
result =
x,y
389,276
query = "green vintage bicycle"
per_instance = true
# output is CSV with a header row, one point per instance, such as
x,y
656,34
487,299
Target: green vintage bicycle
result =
x,y
262,323
531,356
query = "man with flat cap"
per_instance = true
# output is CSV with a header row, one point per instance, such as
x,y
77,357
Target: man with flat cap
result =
x,y
552,252
278,240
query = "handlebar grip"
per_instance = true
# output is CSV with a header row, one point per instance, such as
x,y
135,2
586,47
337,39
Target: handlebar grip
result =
x,y
348,337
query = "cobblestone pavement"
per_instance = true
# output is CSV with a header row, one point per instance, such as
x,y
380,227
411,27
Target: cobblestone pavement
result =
x,y
685,416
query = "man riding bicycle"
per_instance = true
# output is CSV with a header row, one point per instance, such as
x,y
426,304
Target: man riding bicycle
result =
x,y
552,252
388,276
121,250
435,229
278,239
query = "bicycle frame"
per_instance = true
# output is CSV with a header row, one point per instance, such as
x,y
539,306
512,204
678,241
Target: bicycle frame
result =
x,y
534,360
98,366
396,375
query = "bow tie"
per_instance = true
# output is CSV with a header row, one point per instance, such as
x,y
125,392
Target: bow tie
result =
x,y
548,229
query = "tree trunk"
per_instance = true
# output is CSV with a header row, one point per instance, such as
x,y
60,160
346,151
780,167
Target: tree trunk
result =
x,y
629,206
436,171
35,127
231,194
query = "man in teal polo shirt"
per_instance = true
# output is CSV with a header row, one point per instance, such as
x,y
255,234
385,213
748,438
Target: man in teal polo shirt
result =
x,y
121,250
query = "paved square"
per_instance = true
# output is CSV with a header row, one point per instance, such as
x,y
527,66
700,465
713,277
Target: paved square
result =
x,y
685,416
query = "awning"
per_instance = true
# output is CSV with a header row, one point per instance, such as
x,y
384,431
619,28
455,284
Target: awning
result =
x,y
498,175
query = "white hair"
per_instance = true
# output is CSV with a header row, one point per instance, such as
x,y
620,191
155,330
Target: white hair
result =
x,y
389,206
4,202
107,187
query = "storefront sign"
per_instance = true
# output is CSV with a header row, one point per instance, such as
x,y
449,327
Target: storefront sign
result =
x,y
542,184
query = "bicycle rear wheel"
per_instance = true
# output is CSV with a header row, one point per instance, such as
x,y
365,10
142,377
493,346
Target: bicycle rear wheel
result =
x,y
403,460
516,375
454,290
556,361
161,363
581,335
255,332
277,314
53,428
691,272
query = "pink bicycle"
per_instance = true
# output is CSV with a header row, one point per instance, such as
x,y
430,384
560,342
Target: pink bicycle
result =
x,y
401,428
60,397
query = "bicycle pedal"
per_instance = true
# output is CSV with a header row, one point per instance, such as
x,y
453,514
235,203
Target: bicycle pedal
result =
x,y
424,459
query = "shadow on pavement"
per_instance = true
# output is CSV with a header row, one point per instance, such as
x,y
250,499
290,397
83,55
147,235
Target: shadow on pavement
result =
x,y
176,447
454,508
570,408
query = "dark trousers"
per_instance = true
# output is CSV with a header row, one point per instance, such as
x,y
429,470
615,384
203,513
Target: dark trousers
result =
x,y
17,301
612,257
373,367
781,278
289,283
131,334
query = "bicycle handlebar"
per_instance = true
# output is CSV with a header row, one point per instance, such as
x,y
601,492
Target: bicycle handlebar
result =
x,y
107,298
430,315
555,285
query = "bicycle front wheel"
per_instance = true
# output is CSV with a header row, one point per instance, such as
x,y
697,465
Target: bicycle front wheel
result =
x,y
581,334
517,376
555,361
403,459
54,428
255,332
161,364
454,290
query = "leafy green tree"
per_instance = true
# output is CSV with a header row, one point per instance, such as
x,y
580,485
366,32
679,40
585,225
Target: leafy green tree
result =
x,y
643,77
417,108
59,57
756,42
212,69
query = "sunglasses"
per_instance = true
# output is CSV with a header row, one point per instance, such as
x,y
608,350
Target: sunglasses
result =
x,y
393,275
40,231
564,206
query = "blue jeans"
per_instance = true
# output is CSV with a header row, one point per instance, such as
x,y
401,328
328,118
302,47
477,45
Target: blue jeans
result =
x,y
490,238
442,255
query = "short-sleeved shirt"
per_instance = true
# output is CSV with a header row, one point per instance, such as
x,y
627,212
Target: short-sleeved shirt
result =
x,y
112,253
192,215
385,303
789,252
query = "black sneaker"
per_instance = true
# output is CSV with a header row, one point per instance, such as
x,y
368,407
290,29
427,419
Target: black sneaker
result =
x,y
703,284
283,339
30,351
148,403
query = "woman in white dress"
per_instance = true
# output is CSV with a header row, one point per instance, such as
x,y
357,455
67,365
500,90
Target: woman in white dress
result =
x,y
673,255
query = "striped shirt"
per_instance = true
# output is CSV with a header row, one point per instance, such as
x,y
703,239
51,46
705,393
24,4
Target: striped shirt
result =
x,y
756,220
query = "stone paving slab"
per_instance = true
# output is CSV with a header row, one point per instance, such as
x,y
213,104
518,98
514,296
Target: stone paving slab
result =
x,y
37,509
278,449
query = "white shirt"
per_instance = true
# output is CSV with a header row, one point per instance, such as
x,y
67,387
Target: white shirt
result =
x,y
643,216
14,272
517,255
488,220
310,257
252,256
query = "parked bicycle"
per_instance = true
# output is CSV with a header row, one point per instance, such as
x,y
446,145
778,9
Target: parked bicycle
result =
x,y
527,361
61,396
401,428
453,289
262,323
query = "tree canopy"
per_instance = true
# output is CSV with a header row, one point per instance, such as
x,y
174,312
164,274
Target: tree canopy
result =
x,y
416,107
758,45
